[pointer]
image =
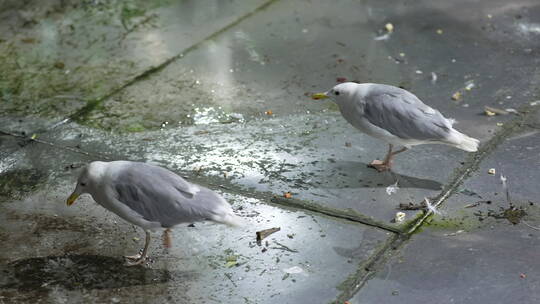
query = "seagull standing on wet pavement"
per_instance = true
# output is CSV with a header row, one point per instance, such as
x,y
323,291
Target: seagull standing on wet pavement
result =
x,y
150,197
396,116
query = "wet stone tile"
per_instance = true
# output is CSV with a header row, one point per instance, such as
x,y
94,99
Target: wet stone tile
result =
x,y
56,252
317,158
479,240
61,54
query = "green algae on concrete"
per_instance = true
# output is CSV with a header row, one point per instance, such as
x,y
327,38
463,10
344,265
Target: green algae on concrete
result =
x,y
60,55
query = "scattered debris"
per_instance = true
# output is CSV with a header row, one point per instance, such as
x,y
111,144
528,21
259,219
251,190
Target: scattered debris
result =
x,y
231,260
34,136
505,189
456,96
469,85
469,193
341,79
283,247
400,217
401,54
433,77
382,37
454,233
411,206
419,72
293,270
59,65
439,31
477,204
522,275
535,103
491,111
530,226
392,188
389,27
290,235
269,112
262,234
348,144
512,214
229,276
287,195
492,171
431,207
511,110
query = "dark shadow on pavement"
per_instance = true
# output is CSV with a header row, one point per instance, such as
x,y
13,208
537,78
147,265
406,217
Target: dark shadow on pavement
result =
x,y
350,174
74,272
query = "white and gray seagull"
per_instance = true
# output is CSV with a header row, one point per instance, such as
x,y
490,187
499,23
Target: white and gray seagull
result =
x,y
150,197
396,116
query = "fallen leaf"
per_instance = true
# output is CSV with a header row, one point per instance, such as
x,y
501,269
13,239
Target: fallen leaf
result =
x,y
400,217
456,95
287,195
59,65
269,112
29,40
490,111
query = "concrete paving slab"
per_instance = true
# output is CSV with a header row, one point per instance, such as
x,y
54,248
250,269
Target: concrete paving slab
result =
x,y
482,248
53,252
61,54
326,167
272,61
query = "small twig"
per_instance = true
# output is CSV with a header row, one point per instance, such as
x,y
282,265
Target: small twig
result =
x,y
411,206
229,276
283,247
505,188
261,235
530,226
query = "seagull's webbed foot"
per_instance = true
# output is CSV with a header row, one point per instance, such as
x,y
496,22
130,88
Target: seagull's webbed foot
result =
x,y
380,166
141,257
135,260
386,164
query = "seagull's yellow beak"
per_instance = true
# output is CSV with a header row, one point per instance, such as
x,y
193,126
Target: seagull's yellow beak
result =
x,y
318,96
71,199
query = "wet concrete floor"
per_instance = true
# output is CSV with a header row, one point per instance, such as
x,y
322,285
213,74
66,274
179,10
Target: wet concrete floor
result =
x,y
218,91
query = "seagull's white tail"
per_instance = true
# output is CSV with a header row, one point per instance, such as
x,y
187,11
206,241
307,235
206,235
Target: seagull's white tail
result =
x,y
463,142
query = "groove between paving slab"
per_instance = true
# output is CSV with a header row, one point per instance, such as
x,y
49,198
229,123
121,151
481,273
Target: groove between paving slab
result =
x,y
348,214
366,270
81,113
473,161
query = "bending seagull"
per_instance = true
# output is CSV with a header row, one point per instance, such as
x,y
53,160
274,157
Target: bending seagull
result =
x,y
150,197
395,116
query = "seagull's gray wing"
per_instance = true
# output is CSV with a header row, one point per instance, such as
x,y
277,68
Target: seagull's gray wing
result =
x,y
404,115
159,195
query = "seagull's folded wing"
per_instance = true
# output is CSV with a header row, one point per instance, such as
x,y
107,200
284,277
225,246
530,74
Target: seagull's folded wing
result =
x,y
405,116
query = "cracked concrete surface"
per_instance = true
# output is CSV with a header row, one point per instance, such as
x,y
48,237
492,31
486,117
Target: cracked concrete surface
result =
x,y
217,91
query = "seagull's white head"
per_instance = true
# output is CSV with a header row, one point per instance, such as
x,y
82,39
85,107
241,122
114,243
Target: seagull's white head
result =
x,y
341,93
88,180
